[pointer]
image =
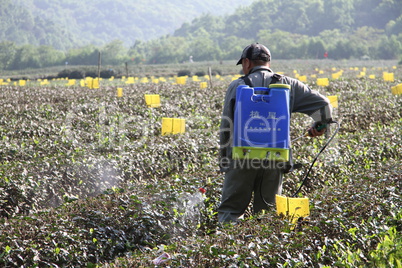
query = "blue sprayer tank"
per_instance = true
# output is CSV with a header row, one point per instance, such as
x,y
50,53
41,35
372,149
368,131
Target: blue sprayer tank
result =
x,y
261,123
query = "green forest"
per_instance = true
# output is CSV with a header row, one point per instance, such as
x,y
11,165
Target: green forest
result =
x,y
66,24
292,29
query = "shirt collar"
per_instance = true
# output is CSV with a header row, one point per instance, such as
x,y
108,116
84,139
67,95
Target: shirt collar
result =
x,y
261,67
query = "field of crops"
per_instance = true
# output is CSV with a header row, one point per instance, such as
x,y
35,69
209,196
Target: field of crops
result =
x,y
88,180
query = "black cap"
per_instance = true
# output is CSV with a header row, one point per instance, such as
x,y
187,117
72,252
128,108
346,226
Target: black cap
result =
x,y
255,52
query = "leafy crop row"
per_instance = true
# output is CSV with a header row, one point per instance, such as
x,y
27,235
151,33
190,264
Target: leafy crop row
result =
x,y
86,178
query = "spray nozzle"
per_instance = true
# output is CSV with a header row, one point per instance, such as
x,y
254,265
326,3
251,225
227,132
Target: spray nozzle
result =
x,y
318,126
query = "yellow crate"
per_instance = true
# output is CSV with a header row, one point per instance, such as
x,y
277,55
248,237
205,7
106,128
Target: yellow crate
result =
x,y
396,90
292,208
173,126
119,92
203,85
152,100
322,82
333,100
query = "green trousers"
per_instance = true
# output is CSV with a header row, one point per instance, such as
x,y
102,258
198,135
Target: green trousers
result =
x,y
241,185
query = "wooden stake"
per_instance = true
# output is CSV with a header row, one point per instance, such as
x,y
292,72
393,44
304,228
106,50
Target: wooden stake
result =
x,y
210,76
99,65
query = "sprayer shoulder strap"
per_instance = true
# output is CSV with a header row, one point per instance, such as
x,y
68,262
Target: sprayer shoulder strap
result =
x,y
275,79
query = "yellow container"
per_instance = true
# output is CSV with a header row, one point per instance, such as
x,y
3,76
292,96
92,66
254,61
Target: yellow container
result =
x,y
173,126
152,100
95,83
44,82
119,92
388,76
396,90
71,82
322,82
167,126
203,85
336,75
22,82
181,80
130,80
303,78
179,125
333,101
91,82
292,208
88,82
143,80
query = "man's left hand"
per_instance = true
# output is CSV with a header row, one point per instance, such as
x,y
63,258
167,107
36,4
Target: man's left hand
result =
x,y
313,132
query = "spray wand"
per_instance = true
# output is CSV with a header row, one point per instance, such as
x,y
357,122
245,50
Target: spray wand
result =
x,y
318,126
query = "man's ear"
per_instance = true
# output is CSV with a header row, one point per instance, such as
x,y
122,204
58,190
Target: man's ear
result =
x,y
248,64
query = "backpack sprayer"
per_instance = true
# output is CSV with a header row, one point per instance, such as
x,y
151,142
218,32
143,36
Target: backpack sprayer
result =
x,y
262,123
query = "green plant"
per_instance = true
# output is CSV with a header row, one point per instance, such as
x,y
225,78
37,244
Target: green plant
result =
x,y
87,179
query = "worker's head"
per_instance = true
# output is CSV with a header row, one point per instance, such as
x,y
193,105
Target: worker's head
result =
x,y
254,55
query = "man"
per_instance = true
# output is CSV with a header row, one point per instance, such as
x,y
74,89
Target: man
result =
x,y
261,182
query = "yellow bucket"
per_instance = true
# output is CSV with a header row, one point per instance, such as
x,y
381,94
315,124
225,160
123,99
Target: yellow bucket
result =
x,y
203,85
152,100
396,90
181,80
292,208
173,126
322,82
333,100
119,92
388,76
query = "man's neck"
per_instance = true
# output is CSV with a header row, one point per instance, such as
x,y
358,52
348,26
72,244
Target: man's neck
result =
x,y
259,67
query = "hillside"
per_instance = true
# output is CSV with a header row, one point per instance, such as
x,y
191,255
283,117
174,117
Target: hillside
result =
x,y
66,24
292,29
44,33
305,17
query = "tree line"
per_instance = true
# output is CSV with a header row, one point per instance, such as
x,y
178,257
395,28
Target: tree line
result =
x,y
292,29
65,24
363,43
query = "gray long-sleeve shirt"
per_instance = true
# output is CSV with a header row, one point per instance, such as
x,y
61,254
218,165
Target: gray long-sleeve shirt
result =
x,y
302,99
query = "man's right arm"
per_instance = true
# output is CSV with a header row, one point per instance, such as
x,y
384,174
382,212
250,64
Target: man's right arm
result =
x,y
310,102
